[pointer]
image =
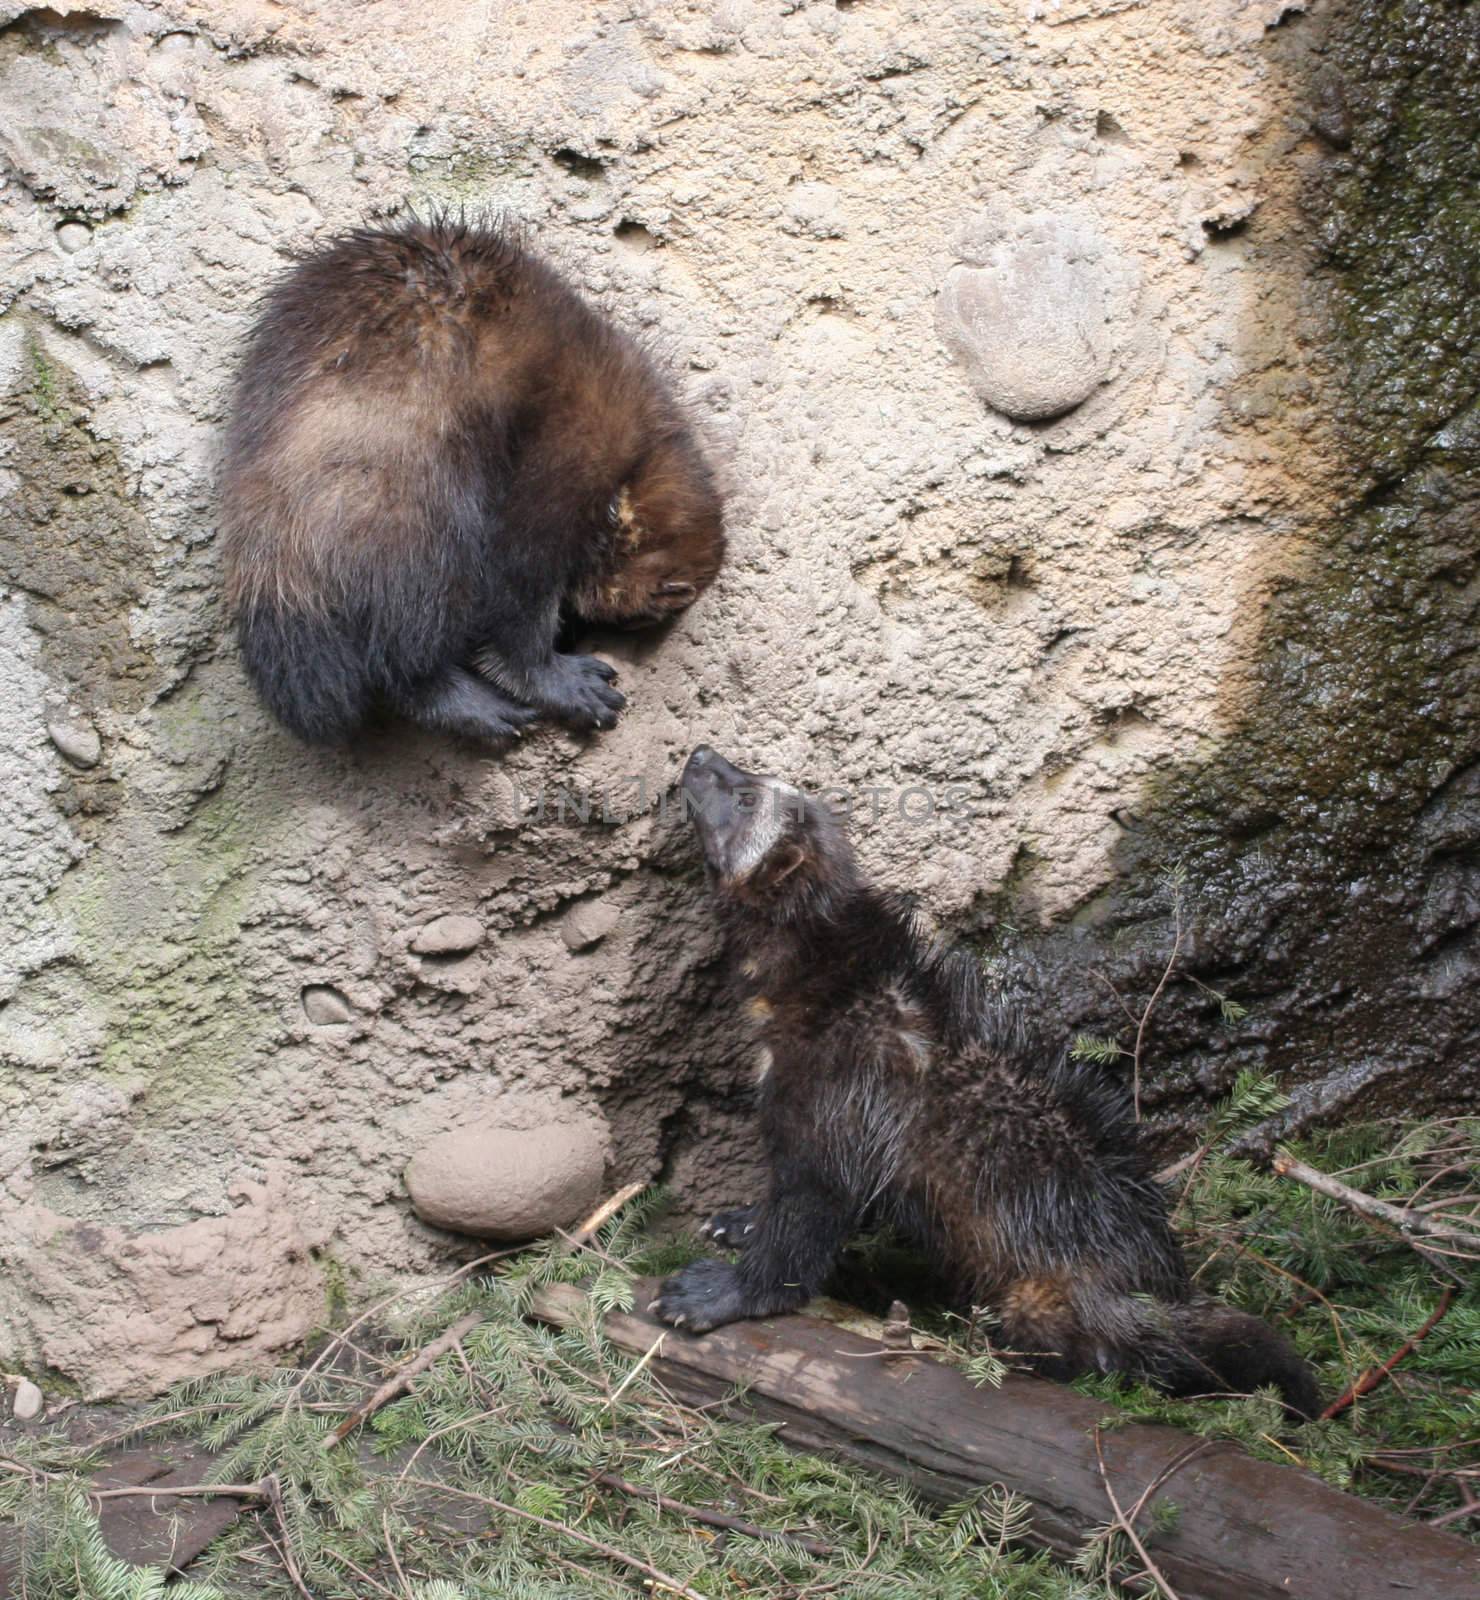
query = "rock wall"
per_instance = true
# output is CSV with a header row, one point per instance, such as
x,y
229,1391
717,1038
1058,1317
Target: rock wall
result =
x,y
1016,330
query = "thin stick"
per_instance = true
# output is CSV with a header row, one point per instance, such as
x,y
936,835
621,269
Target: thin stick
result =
x,y
398,1384
275,1500
607,1550
715,1519
1170,1470
603,1214
1406,1222
238,1491
1145,1022
1128,1529
360,1573
621,1388
1468,1509
390,1550
1374,1375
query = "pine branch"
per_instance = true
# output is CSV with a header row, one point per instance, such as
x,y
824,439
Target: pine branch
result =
x,y
715,1519
674,1585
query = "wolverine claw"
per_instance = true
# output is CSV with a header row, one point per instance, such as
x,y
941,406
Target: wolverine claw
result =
x,y
732,1228
705,1295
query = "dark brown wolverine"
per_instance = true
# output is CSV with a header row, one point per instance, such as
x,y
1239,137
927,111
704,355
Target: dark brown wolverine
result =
x,y
437,450
894,1087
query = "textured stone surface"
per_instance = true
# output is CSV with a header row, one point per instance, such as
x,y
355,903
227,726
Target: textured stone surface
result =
x,y
325,1006
1063,622
134,1310
500,1182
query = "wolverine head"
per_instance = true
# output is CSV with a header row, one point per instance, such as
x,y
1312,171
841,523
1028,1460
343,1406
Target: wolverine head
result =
x,y
767,847
665,525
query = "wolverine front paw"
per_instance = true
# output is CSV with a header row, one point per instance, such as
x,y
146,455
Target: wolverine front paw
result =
x,y
580,691
732,1229
705,1295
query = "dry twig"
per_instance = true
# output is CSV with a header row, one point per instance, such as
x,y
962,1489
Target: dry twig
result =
x,y
1126,1526
1374,1375
602,1215
290,1566
1408,1223
401,1381
1179,933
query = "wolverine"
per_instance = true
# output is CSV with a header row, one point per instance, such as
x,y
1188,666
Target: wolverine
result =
x,y
439,454
895,1088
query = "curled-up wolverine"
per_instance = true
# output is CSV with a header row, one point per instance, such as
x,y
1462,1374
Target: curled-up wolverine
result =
x,y
893,1087
438,452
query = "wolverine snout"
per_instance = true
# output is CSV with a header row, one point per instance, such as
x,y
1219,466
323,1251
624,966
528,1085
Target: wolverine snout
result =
x,y
707,769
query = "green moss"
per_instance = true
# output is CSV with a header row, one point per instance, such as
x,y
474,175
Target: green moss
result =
x,y
44,387
337,1294
161,917
465,177
76,546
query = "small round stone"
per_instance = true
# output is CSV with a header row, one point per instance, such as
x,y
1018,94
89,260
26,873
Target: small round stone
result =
x,y
77,741
497,1182
72,236
448,936
28,1401
588,924
1032,310
325,1007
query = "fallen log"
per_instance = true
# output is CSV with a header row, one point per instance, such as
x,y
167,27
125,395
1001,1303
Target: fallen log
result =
x,y
1244,1529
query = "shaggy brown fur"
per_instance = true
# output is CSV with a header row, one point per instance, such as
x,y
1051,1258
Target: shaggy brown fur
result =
x,y
437,450
895,1088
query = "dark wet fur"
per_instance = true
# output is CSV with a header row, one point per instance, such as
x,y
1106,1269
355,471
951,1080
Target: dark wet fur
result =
x,y
900,1091
437,448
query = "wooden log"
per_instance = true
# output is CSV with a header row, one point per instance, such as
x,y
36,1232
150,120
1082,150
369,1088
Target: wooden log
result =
x,y
1245,1529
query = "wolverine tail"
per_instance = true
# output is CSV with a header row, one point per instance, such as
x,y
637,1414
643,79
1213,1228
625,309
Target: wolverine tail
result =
x,y
1071,1325
310,675
1201,1346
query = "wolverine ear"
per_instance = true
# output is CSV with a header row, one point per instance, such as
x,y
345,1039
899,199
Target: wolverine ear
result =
x,y
685,590
786,861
